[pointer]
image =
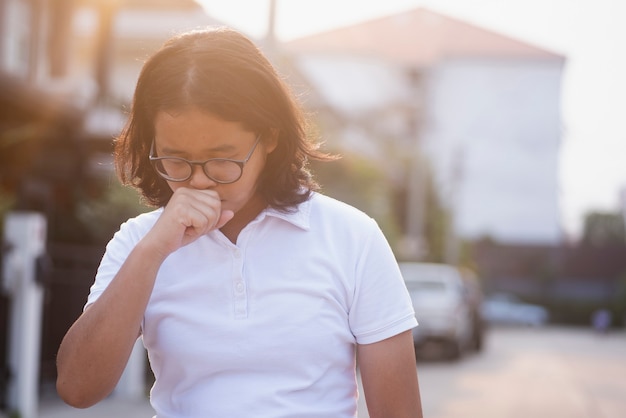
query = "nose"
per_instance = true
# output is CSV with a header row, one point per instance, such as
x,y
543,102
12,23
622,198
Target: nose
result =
x,y
199,179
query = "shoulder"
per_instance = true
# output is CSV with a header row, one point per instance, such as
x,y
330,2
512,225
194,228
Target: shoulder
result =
x,y
129,234
140,224
326,205
146,218
329,211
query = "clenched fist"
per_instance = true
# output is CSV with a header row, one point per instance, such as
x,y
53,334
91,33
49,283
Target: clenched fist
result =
x,y
189,214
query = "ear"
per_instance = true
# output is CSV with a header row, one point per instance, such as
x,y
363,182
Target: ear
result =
x,y
270,141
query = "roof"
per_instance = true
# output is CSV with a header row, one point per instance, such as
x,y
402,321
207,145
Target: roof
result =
x,y
419,37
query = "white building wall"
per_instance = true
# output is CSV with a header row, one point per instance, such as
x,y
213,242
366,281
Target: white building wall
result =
x,y
492,130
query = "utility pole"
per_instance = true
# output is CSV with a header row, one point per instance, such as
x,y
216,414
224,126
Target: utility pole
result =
x,y
415,245
38,27
104,49
269,44
452,239
59,35
270,37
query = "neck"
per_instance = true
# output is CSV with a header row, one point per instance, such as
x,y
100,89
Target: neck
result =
x,y
243,217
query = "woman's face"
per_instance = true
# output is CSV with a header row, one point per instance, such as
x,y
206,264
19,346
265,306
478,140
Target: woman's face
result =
x,y
197,135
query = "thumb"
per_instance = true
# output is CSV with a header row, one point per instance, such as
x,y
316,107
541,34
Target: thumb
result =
x,y
225,216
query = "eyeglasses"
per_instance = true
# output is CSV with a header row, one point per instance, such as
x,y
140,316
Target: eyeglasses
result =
x,y
220,170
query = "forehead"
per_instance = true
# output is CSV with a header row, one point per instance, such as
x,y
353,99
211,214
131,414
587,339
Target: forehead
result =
x,y
197,125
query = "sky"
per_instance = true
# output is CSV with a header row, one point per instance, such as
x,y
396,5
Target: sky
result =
x,y
589,33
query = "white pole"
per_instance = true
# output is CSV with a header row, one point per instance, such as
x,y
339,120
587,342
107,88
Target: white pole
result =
x,y
25,235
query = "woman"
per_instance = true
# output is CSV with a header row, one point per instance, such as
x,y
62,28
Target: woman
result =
x,y
253,293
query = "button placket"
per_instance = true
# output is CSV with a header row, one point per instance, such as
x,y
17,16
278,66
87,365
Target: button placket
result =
x,y
239,287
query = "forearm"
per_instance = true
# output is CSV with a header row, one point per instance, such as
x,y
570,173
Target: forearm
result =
x,y
389,378
95,350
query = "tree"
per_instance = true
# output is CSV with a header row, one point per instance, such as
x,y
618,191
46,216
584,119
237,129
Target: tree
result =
x,y
359,182
603,229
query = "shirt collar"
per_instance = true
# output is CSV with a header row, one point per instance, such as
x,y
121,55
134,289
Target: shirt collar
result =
x,y
300,216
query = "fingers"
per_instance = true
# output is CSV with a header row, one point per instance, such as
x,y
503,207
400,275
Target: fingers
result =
x,y
199,213
189,215
199,210
225,216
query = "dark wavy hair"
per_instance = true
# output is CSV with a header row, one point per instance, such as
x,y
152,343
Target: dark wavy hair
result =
x,y
221,71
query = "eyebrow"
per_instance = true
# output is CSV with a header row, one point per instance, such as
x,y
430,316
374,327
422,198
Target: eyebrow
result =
x,y
217,149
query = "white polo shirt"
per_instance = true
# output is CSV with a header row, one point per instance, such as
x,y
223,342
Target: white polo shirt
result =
x,y
267,328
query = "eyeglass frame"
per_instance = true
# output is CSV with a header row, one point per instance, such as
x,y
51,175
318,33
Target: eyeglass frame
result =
x,y
240,163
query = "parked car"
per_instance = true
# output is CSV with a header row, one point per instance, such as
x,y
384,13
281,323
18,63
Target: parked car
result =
x,y
508,309
475,297
443,308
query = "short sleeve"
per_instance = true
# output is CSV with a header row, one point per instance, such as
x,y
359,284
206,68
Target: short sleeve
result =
x,y
382,306
118,249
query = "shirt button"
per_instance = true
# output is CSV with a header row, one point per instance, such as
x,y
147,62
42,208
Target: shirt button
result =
x,y
237,253
239,287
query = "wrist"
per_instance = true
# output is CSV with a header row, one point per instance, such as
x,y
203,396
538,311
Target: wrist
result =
x,y
151,251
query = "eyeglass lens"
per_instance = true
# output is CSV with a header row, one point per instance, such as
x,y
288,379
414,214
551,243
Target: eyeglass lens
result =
x,y
223,171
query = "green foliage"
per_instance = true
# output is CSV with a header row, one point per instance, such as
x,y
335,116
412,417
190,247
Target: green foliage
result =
x,y
7,201
437,220
363,184
104,215
619,298
604,228
360,183
437,224
466,257
572,312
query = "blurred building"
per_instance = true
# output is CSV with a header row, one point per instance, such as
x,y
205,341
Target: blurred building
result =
x,y
136,28
572,281
482,109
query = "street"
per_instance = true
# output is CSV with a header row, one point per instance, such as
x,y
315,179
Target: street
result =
x,y
548,372
531,373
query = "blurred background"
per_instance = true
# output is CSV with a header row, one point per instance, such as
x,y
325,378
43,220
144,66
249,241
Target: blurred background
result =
x,y
485,136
